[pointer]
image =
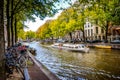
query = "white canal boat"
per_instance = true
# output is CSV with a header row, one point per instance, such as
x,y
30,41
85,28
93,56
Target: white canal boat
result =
x,y
71,47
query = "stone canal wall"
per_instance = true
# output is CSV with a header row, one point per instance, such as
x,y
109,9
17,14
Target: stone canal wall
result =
x,y
115,46
39,71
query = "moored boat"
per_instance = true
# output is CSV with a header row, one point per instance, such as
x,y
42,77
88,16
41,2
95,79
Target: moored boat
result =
x,y
103,46
71,47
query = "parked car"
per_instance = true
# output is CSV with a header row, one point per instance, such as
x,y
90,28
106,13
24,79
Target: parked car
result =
x,y
115,41
93,41
60,41
105,41
89,41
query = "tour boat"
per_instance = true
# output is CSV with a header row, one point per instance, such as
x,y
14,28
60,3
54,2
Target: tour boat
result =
x,y
71,47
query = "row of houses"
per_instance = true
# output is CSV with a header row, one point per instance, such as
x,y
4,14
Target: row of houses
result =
x,y
94,32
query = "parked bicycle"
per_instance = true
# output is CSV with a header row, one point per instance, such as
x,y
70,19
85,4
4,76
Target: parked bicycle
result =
x,y
16,60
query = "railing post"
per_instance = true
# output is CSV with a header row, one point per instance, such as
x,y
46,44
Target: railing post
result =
x,y
26,74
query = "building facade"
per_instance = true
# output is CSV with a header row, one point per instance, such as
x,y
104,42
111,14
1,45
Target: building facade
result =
x,y
114,32
93,32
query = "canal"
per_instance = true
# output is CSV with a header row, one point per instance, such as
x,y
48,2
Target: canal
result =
x,y
98,64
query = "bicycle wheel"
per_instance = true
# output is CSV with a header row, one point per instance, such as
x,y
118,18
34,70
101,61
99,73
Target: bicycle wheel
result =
x,y
22,62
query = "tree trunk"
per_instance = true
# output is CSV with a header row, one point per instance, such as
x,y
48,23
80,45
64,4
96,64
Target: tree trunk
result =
x,y
12,29
84,36
106,31
2,41
8,22
84,40
15,24
70,35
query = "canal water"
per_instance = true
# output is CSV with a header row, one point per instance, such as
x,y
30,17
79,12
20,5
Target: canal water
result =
x,y
98,64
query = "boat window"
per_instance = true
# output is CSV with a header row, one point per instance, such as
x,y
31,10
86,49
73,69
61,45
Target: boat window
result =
x,y
82,46
76,46
79,46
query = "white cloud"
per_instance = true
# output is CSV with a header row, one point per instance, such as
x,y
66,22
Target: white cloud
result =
x,y
33,26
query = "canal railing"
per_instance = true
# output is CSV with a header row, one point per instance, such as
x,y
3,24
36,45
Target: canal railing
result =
x,y
26,74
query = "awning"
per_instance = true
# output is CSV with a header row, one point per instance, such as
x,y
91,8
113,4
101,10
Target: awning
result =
x,y
118,28
115,27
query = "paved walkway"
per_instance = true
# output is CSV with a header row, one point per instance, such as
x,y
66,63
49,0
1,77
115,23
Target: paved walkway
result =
x,y
36,74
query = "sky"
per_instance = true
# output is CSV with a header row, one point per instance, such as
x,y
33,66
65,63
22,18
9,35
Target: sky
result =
x,y
33,26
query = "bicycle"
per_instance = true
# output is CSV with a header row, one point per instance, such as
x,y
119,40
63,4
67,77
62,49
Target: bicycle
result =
x,y
13,62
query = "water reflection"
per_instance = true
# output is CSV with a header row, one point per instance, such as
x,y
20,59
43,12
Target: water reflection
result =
x,y
98,64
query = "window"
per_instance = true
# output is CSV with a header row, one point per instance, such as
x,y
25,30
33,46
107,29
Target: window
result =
x,y
82,46
99,37
102,31
91,32
103,37
88,25
85,25
95,37
88,33
96,30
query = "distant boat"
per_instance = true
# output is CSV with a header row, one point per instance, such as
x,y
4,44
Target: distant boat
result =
x,y
103,46
71,47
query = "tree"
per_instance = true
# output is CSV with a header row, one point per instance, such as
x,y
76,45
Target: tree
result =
x,y
2,41
30,34
26,9
107,13
79,8
20,31
54,28
8,21
100,13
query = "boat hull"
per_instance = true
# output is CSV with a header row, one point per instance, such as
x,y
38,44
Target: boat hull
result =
x,y
79,50
71,48
103,46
